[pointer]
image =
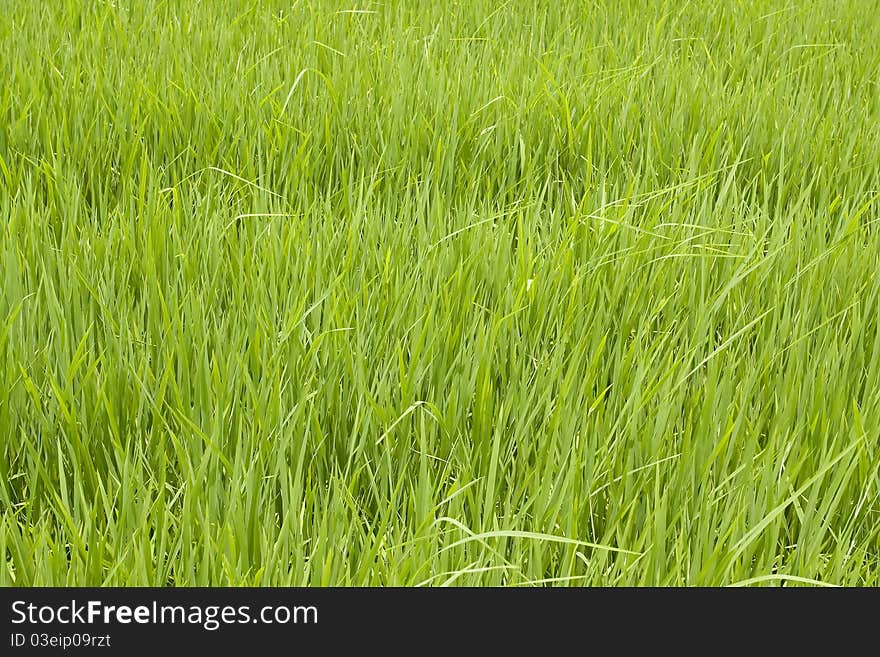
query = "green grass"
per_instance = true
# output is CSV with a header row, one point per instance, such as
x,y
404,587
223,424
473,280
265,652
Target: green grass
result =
x,y
439,293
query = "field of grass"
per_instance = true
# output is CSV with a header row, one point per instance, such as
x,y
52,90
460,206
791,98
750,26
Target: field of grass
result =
x,y
429,293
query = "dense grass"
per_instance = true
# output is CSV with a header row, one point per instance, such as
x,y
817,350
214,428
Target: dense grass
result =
x,y
439,293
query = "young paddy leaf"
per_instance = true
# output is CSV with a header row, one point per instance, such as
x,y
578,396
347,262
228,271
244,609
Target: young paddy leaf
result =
x,y
439,293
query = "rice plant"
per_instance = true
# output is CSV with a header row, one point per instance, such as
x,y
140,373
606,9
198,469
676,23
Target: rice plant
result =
x,y
439,293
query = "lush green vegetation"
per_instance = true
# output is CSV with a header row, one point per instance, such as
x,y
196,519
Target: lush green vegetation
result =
x,y
439,293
